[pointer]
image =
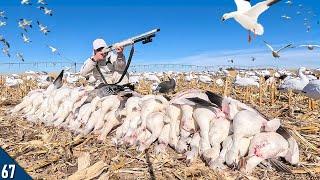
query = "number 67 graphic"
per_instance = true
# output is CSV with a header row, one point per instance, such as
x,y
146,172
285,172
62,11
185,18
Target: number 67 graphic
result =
x,y
5,173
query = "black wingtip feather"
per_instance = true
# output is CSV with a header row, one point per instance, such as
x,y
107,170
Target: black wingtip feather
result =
x,y
201,102
58,81
215,98
284,132
280,166
273,2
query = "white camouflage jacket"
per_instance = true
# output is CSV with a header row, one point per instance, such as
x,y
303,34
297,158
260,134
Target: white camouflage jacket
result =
x,y
111,68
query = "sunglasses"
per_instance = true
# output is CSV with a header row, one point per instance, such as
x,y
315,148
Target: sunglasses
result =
x,y
101,51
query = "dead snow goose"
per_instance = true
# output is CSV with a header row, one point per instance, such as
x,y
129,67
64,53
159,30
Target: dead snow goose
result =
x,y
155,124
264,146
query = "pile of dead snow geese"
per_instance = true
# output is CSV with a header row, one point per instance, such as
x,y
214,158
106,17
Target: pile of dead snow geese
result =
x,y
221,130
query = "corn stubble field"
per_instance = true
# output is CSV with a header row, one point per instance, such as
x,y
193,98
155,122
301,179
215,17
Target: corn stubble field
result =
x,y
52,153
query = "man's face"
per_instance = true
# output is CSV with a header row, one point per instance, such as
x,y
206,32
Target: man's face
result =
x,y
100,53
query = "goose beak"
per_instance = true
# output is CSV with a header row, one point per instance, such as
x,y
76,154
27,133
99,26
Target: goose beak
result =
x,y
223,19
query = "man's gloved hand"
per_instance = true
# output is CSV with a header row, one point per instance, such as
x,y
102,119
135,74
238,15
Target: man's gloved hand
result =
x,y
119,50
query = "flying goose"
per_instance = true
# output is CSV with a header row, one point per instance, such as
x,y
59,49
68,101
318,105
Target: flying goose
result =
x,y
2,14
25,2
4,41
3,23
44,29
5,51
53,50
247,16
310,46
20,56
24,23
289,2
25,38
42,2
275,54
46,10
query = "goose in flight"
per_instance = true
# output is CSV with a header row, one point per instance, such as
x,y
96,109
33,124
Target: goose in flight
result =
x,y
5,51
53,50
2,14
42,2
286,17
20,56
25,38
3,23
25,2
247,15
310,46
46,10
4,41
289,2
276,54
44,29
23,24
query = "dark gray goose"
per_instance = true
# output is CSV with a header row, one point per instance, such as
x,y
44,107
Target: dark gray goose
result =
x,y
166,86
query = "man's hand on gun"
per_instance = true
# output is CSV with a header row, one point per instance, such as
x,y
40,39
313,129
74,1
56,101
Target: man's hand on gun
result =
x,y
119,50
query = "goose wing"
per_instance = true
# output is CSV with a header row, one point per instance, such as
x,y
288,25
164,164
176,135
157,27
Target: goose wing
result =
x,y
259,8
243,5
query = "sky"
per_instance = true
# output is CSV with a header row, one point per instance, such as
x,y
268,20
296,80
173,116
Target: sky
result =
x,y
191,31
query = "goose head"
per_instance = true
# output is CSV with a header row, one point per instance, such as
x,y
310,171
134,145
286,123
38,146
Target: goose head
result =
x,y
302,69
226,16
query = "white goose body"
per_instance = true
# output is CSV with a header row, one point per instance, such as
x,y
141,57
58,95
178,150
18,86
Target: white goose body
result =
x,y
247,16
295,84
312,89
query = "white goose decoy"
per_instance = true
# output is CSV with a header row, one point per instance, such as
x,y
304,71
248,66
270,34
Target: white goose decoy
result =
x,y
219,82
25,38
310,46
134,79
312,90
190,77
12,82
276,54
205,79
44,29
245,81
295,84
247,16
151,77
